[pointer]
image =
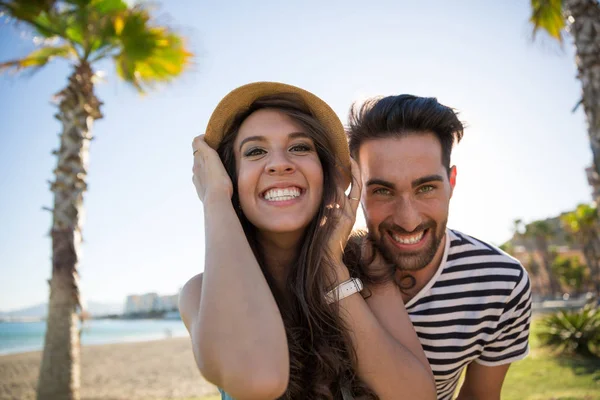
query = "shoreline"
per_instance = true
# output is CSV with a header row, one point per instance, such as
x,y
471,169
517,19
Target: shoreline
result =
x,y
22,337
132,339
152,369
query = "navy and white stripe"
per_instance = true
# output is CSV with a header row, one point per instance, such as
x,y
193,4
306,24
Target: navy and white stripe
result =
x,y
477,308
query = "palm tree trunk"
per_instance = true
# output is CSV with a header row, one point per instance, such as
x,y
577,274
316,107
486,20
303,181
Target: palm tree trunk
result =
x,y
551,281
78,108
595,262
583,19
589,256
542,247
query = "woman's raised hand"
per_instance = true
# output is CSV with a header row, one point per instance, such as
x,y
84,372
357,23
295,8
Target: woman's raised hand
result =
x,y
347,215
210,177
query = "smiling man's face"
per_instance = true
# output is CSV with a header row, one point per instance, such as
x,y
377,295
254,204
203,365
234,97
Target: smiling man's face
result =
x,y
406,196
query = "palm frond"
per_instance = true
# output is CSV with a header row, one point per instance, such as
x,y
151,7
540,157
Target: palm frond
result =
x,y
548,16
97,29
40,57
149,54
36,14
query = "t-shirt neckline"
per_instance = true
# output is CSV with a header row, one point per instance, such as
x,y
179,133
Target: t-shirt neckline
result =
x,y
435,277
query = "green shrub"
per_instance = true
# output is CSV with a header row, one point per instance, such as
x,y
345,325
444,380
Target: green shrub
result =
x,y
574,332
571,272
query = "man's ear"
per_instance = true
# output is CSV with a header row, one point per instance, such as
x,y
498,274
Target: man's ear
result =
x,y
452,178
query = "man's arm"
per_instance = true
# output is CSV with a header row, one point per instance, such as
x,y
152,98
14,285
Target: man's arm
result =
x,y
484,377
483,383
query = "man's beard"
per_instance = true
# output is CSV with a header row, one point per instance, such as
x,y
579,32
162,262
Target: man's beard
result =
x,y
409,261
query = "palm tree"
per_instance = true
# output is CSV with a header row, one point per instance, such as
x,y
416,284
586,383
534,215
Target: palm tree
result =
x,y
584,226
581,18
84,32
540,233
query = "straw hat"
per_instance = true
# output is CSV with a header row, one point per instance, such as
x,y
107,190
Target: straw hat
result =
x,y
242,97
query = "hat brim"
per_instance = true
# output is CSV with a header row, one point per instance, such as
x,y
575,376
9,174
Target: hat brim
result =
x,y
242,97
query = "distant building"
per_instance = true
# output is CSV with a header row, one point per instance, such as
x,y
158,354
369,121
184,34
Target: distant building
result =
x,y
167,303
150,302
140,303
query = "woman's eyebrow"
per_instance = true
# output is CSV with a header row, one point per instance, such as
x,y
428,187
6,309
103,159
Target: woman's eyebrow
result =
x,y
292,135
251,138
295,135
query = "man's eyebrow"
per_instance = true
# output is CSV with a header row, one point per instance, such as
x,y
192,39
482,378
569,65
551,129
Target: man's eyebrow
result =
x,y
428,178
380,182
292,135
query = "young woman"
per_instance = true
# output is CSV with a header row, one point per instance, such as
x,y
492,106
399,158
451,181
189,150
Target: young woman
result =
x,y
276,313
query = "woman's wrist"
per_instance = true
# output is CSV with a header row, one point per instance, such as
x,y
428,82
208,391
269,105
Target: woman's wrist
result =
x,y
341,272
216,198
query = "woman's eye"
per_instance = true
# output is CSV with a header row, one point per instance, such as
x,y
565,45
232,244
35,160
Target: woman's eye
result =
x,y
425,189
382,191
254,152
300,148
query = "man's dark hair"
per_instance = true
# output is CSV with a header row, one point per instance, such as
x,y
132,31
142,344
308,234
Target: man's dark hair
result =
x,y
396,116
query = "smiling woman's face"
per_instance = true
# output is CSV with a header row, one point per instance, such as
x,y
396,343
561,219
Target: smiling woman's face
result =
x,y
279,174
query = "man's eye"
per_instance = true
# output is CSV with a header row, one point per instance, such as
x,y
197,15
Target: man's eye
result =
x,y
382,191
426,189
256,151
300,148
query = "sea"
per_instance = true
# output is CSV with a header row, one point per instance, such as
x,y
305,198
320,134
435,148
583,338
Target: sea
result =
x,y
19,337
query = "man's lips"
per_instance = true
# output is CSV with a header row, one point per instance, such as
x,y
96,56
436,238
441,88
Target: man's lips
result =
x,y
411,241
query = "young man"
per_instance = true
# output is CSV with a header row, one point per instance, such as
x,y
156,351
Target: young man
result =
x,y
469,302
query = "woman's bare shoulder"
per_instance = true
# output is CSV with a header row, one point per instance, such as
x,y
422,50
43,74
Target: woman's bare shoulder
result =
x,y
189,300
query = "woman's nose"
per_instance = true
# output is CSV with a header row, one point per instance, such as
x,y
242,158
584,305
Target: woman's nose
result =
x,y
279,164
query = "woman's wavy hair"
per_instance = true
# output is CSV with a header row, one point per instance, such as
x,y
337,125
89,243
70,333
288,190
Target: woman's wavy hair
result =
x,y
322,359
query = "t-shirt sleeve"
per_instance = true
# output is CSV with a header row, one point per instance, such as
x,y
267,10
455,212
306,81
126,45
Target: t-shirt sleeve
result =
x,y
224,396
512,340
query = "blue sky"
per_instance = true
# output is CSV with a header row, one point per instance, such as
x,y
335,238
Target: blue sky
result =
x,y
523,154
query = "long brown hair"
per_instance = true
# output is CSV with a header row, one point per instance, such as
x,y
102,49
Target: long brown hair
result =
x,y
322,359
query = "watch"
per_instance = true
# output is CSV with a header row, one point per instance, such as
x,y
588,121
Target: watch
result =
x,y
343,290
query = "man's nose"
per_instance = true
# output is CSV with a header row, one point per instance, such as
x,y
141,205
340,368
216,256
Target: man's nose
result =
x,y
407,215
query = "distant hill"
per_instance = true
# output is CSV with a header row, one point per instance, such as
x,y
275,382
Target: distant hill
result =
x,y
41,310
36,311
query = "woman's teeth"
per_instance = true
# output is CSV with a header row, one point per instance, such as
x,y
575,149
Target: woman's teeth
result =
x,y
282,194
412,239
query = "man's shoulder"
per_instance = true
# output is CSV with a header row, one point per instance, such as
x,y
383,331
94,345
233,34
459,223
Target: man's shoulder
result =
x,y
470,256
463,245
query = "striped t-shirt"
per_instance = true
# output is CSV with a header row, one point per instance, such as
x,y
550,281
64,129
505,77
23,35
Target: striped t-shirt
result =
x,y
476,308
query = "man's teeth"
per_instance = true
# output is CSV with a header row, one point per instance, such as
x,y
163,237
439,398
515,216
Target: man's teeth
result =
x,y
282,194
413,239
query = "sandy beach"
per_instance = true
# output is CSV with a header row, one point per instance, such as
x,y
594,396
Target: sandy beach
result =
x,y
162,369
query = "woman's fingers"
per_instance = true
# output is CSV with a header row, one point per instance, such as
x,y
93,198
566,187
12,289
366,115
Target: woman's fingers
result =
x,y
198,142
209,174
200,147
356,188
